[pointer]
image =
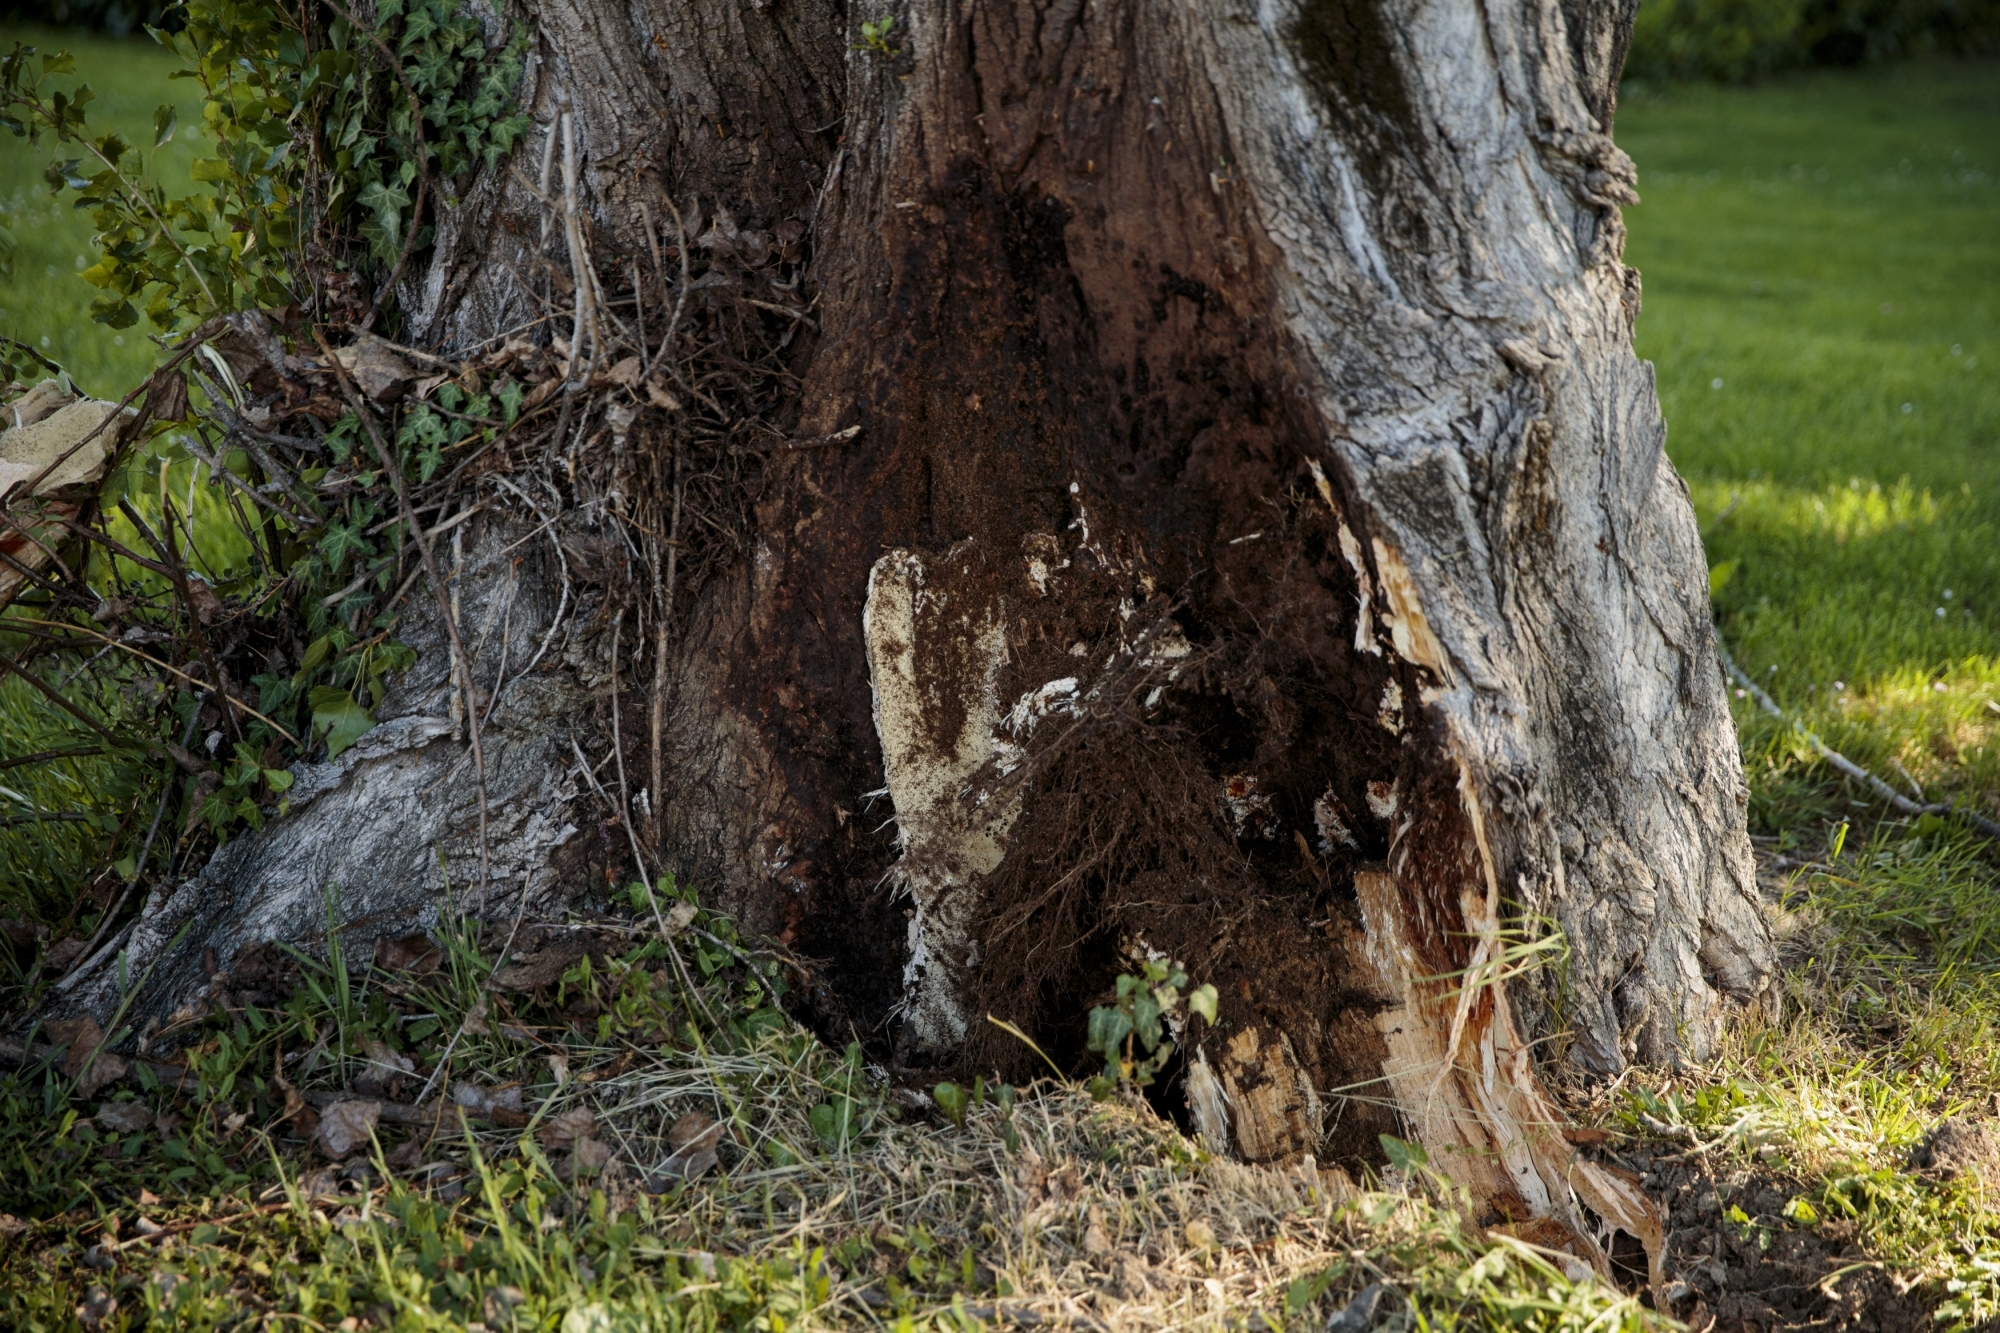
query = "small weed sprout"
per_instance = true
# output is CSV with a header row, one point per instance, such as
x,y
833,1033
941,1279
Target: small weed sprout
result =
x,y
875,35
1135,1023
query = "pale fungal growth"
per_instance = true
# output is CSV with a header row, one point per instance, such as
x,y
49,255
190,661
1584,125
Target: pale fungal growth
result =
x,y
1382,799
1332,829
924,651
1390,715
1251,813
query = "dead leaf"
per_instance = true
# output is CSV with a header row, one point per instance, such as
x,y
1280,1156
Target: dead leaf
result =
x,y
541,393
566,1128
690,1129
539,968
166,396
625,374
376,368
11,1226
412,953
64,952
682,1166
1095,1241
660,396
389,1062
146,1226
97,1308
147,1198
1586,1138
587,1157
83,1037
484,1101
345,1126
408,1154
320,1183
679,917
124,1117
207,605
694,1139
304,1120
498,1307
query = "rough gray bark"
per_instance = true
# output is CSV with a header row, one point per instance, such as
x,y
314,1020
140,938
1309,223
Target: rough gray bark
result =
x,y
1237,527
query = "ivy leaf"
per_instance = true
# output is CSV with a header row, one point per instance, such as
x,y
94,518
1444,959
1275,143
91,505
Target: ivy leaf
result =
x,y
1201,1000
165,121
339,718
115,311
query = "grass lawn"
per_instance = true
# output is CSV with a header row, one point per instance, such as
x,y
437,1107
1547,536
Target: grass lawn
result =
x,y
45,304
1822,266
1822,299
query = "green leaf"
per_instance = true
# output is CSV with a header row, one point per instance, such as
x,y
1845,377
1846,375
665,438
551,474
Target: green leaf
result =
x,y
1201,1000
165,121
115,311
1108,1030
339,718
835,1121
952,1100
1404,1155
1719,576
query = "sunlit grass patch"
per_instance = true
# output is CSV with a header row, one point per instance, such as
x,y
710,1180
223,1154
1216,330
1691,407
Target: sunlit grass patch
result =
x,y
1821,257
1868,610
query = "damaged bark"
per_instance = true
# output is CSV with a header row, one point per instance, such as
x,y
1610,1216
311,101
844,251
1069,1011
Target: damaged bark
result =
x,y
1213,510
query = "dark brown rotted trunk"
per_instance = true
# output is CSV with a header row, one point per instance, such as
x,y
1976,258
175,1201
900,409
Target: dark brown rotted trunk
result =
x,y
1222,517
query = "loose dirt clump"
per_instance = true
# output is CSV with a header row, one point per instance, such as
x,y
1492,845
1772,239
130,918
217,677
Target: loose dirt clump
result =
x,y
1735,1264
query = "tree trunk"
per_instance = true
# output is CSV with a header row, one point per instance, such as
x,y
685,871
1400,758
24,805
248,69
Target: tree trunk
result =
x,y
1219,515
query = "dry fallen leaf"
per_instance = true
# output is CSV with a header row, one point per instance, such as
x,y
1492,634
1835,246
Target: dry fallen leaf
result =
x,y
540,968
124,1117
97,1309
387,1062
345,1126
488,1102
690,1127
304,1120
587,1157
83,1037
564,1129
377,369
64,952
320,1183
412,953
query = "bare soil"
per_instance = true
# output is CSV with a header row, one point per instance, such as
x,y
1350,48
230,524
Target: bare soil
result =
x,y
1765,1274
